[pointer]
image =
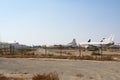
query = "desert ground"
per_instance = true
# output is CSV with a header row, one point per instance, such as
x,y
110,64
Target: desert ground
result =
x,y
66,69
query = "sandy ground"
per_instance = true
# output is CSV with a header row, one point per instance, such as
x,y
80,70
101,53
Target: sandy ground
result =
x,y
66,69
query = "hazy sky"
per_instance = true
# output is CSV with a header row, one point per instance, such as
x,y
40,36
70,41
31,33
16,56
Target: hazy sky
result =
x,y
58,21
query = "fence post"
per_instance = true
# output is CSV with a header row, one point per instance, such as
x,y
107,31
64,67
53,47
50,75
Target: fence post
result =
x,y
60,50
80,52
101,53
45,47
11,49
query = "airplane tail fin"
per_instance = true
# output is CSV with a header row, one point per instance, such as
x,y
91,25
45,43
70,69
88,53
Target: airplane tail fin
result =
x,y
73,43
89,40
109,39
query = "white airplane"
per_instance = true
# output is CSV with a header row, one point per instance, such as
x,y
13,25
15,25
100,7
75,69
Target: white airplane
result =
x,y
103,42
71,44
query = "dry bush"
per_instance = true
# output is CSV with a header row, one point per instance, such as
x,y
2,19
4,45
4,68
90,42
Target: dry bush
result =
x,y
96,57
2,77
50,76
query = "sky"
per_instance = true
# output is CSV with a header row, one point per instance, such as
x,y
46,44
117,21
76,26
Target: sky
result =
x,y
47,22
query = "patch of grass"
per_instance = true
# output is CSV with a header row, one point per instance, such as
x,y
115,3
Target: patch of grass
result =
x,y
79,75
91,78
50,76
96,53
50,54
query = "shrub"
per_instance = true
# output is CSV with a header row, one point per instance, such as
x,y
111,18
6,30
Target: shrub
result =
x,y
2,77
50,76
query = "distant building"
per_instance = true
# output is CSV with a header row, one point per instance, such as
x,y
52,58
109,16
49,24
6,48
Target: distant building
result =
x,y
4,45
19,46
14,45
